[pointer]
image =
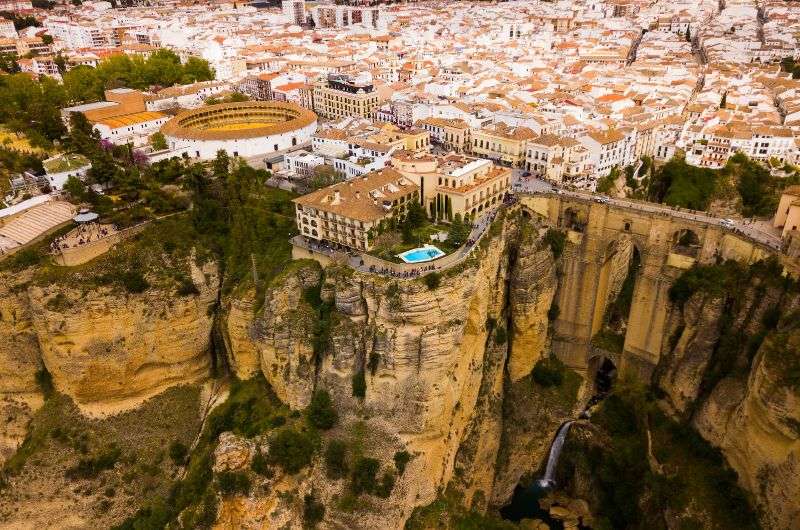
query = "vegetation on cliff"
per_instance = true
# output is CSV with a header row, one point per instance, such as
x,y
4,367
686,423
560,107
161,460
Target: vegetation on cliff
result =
x,y
743,182
640,469
100,468
749,316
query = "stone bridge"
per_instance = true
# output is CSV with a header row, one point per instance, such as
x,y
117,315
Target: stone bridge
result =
x,y
602,239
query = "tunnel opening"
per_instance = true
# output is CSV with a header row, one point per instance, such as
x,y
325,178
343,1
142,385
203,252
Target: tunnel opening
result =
x,y
686,243
574,220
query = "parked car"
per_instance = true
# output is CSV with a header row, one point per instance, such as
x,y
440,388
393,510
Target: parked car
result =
x,y
728,223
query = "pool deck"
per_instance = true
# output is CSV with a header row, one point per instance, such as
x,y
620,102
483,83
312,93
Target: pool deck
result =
x,y
431,253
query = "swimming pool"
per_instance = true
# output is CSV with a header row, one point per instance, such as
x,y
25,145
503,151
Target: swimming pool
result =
x,y
419,255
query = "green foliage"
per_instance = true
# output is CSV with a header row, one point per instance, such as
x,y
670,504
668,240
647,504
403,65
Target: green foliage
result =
x,y
432,280
758,189
556,240
320,412
631,494
359,384
324,176
292,449
32,107
158,141
680,184
91,467
313,511
500,335
324,311
448,511
715,280
45,381
364,479
606,184
548,371
134,281
260,465
459,231
233,483
178,452
336,460
401,459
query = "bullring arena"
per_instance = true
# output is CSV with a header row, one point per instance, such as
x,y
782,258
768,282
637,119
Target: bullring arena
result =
x,y
246,129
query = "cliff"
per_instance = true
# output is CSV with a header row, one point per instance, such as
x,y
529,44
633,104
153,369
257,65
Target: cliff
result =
x,y
433,362
730,369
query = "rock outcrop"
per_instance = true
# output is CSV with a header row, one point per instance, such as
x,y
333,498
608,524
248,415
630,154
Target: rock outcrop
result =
x,y
108,350
727,369
433,362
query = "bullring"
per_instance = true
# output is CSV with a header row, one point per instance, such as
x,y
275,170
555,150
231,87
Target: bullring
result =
x,y
246,129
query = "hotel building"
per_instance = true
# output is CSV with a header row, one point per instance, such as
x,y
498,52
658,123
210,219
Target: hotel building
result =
x,y
349,213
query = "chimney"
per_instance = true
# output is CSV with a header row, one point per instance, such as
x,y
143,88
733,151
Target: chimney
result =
x,y
337,197
358,195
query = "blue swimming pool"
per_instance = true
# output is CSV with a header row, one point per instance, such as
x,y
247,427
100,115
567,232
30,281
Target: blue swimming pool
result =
x,y
419,255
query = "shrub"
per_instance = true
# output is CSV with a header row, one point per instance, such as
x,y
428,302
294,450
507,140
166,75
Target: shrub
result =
x,y
556,240
291,450
401,458
187,288
336,464
363,478
260,465
313,511
320,412
384,489
134,282
500,335
91,467
178,452
45,381
433,280
359,384
233,482
548,372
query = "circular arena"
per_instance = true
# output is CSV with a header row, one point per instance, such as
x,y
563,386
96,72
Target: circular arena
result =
x,y
246,129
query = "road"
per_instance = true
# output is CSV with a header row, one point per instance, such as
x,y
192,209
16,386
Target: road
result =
x,y
747,227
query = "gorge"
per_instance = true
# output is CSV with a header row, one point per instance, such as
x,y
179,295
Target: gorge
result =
x,y
466,382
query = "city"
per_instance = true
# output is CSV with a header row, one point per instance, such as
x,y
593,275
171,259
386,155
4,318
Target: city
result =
x,y
400,264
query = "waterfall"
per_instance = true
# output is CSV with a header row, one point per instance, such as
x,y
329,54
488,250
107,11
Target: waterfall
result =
x,y
555,452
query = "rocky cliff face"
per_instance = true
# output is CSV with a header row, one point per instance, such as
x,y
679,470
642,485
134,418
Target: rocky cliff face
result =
x,y
433,361
20,394
107,350
728,370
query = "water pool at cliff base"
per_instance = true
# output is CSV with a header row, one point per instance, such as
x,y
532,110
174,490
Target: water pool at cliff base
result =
x,y
421,254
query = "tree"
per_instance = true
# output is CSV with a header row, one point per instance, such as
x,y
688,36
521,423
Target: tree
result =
x,y
47,39
196,69
401,459
320,412
723,101
324,176
336,462
359,383
688,35
313,511
158,141
291,450
75,188
233,482
363,479
459,231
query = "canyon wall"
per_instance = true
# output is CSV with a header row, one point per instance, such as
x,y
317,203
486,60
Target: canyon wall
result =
x,y
730,368
106,349
434,362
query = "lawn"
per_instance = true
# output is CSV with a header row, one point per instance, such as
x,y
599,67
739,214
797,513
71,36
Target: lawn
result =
x,y
390,243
